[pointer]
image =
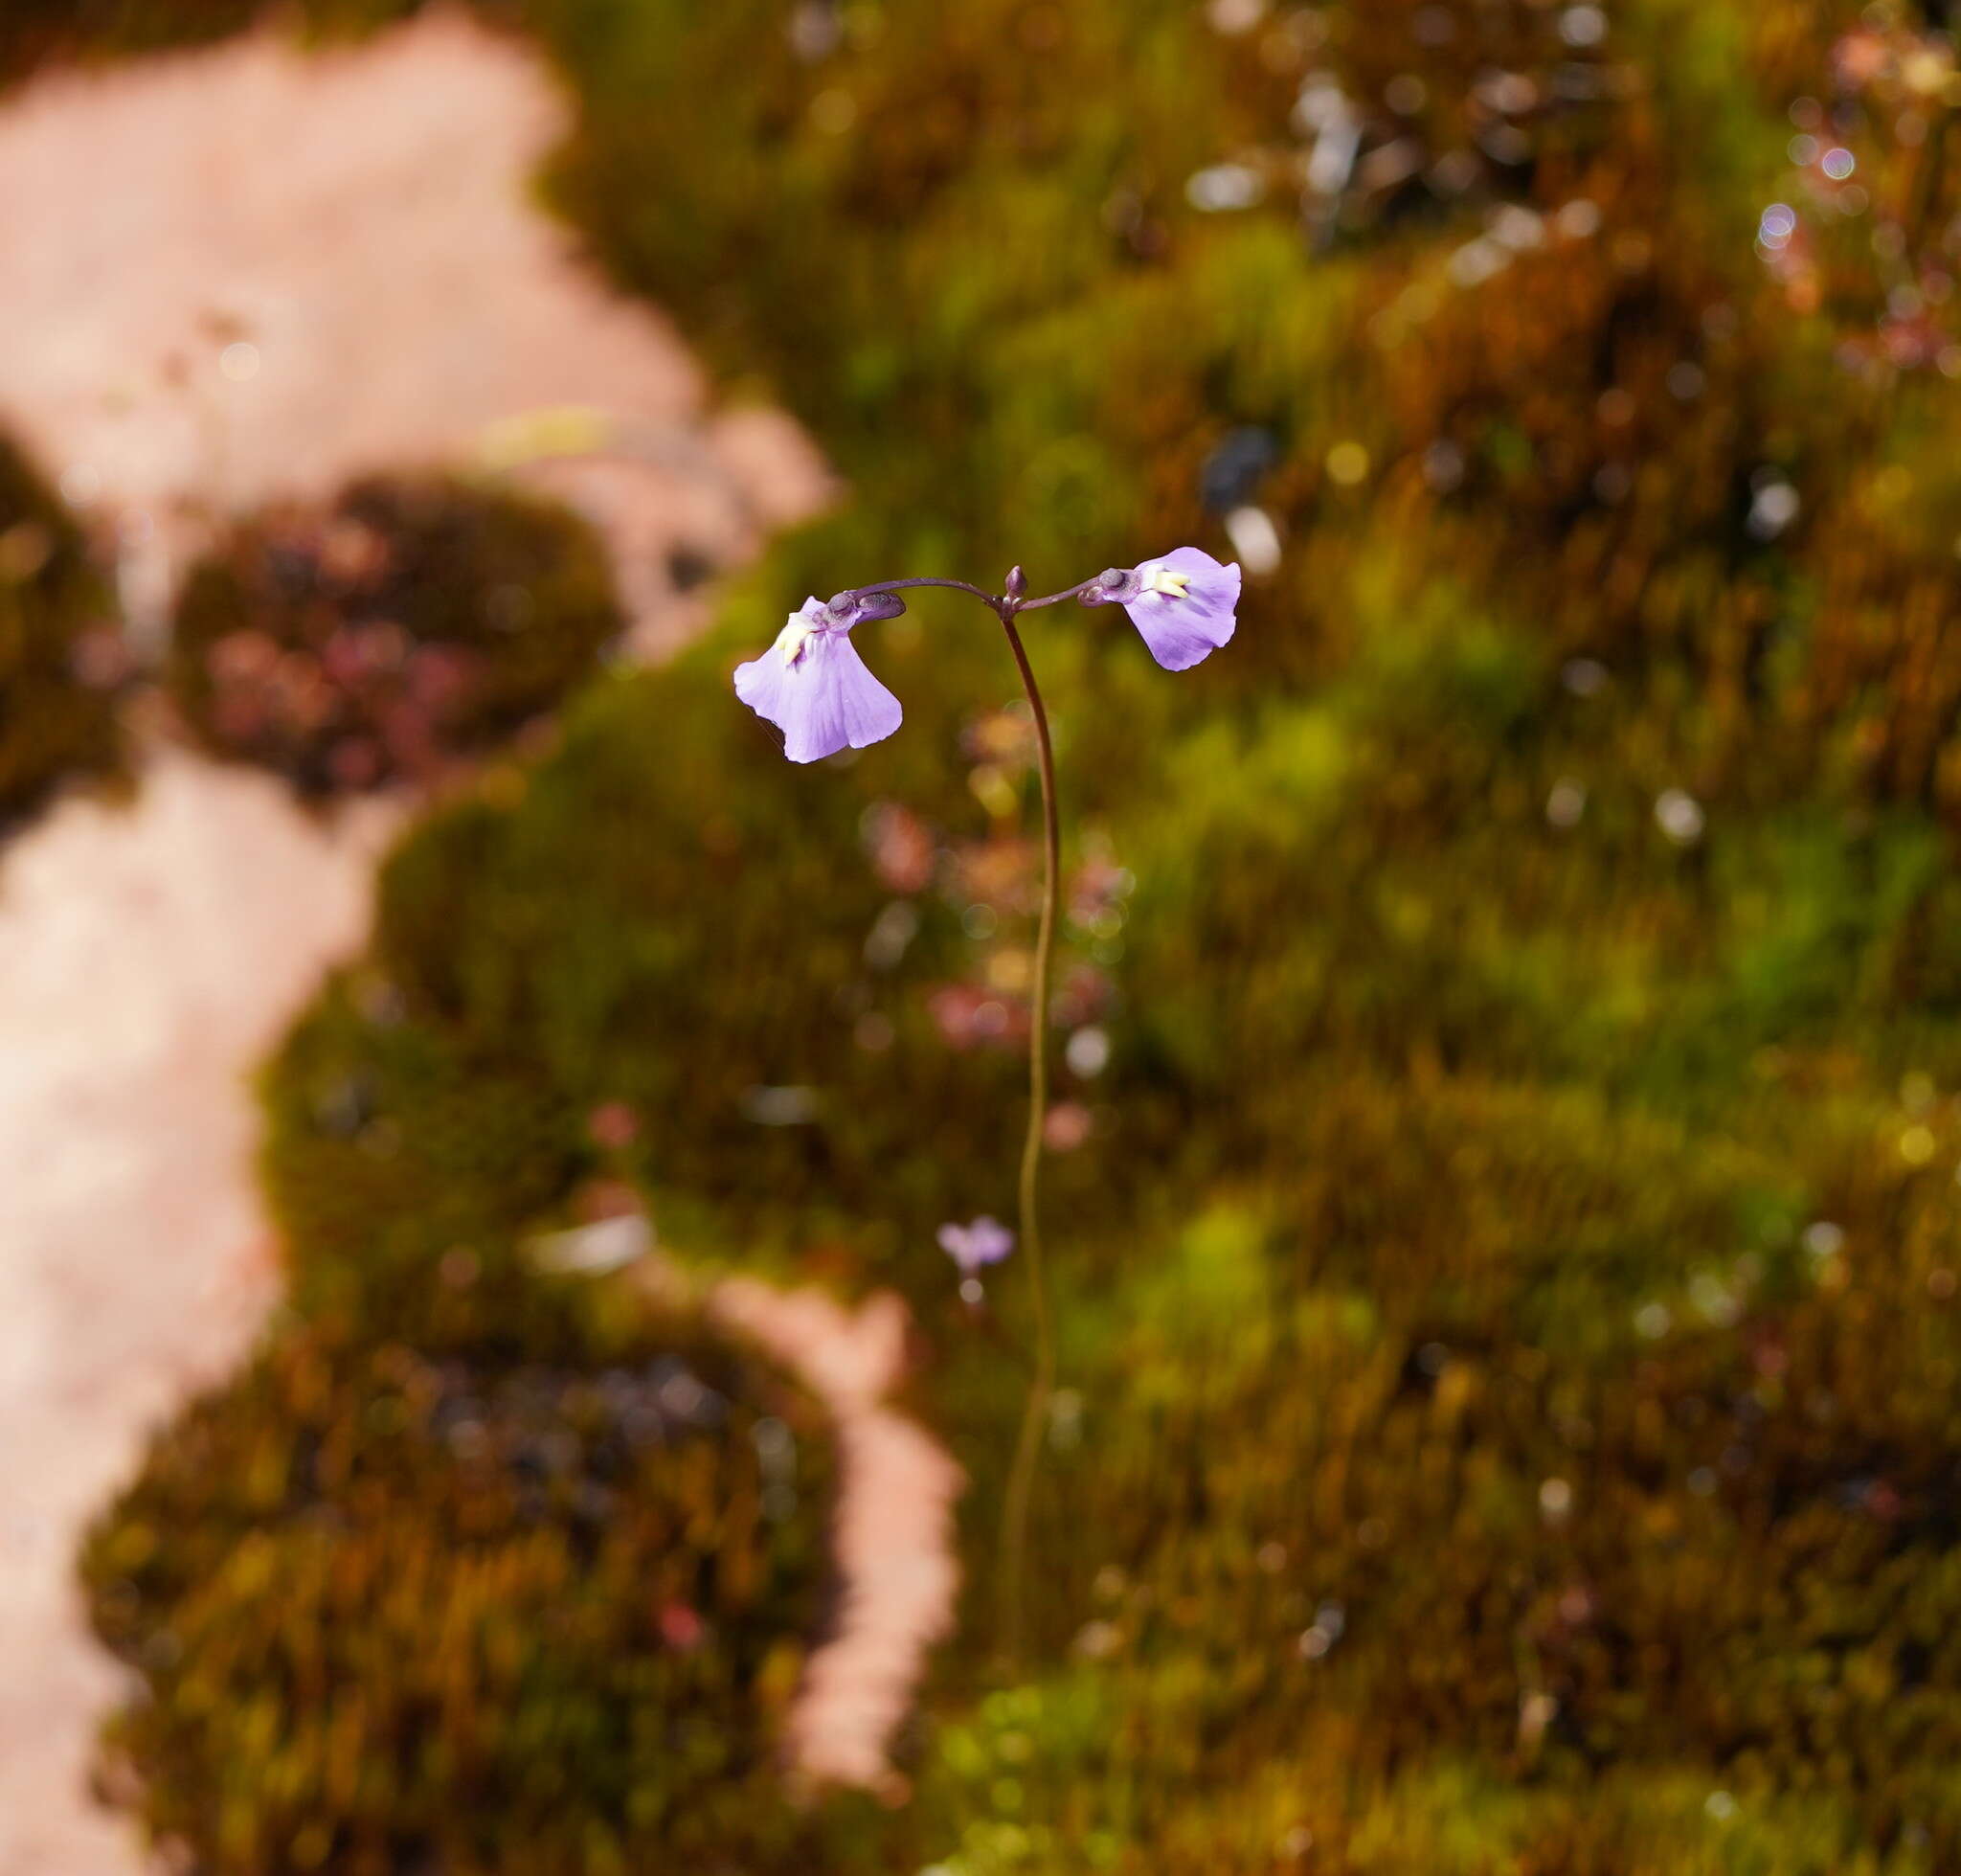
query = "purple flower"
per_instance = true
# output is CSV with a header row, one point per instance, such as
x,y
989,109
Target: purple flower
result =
x,y
974,1247
813,686
1180,604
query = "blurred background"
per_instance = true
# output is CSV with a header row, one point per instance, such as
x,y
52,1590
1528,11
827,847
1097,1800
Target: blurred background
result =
x,y
478,1387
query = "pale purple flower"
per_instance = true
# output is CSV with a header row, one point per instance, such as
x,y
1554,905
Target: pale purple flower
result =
x,y
813,686
974,1247
1181,605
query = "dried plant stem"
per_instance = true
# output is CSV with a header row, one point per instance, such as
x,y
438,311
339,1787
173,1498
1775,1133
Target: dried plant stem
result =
x,y
1014,1529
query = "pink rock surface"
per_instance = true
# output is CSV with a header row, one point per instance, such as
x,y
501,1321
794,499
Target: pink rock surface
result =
x,y
893,1533
249,274
147,957
359,221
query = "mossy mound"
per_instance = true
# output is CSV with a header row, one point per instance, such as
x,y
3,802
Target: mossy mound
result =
x,y
411,623
491,1612
57,653
1596,1325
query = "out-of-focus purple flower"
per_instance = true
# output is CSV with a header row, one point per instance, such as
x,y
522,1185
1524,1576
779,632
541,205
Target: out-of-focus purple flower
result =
x,y
1181,605
813,686
974,1247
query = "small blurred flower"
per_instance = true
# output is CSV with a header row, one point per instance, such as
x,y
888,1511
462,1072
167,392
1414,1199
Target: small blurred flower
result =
x,y
1085,994
813,686
1181,605
968,1016
1065,1126
1002,737
681,1628
999,871
613,1124
974,1246
1100,887
901,846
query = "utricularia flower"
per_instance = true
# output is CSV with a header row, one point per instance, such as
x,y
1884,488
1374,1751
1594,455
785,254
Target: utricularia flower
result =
x,y
1182,606
813,686
974,1247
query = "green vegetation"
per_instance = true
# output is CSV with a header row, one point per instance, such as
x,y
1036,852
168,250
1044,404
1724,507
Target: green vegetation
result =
x,y
409,625
492,1612
1509,1279
56,714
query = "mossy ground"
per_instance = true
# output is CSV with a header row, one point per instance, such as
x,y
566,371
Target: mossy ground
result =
x,y
493,1612
1508,1285
390,635
58,718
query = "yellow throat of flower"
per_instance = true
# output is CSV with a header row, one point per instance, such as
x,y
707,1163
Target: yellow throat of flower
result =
x,y
1168,581
794,636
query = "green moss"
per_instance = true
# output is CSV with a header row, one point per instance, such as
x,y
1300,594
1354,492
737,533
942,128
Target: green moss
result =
x,y
1507,1290
56,719
536,1614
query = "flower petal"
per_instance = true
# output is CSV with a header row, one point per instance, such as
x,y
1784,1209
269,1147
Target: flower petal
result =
x,y
823,700
1179,629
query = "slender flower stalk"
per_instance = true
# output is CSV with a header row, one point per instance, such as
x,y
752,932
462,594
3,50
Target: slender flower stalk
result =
x,y
815,689
1014,1525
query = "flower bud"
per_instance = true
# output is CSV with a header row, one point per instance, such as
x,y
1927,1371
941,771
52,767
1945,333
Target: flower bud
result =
x,y
1017,584
848,609
1118,586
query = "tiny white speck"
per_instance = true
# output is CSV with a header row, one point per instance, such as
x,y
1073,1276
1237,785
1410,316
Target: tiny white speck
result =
x,y
1773,509
1088,1053
1679,816
1578,219
1476,261
1224,187
1254,539
1824,1239
1234,17
1583,25
1517,229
